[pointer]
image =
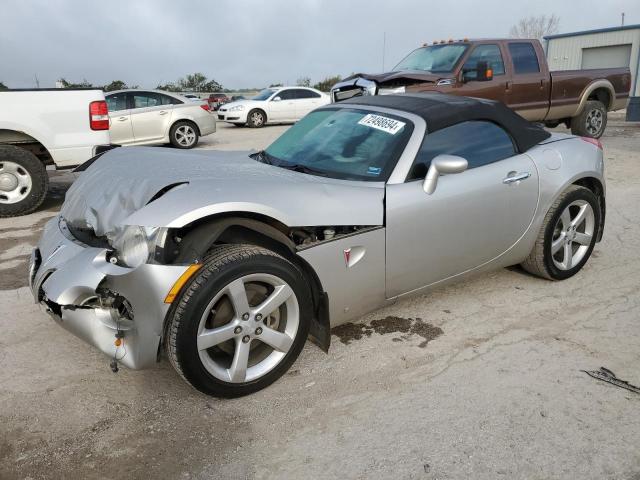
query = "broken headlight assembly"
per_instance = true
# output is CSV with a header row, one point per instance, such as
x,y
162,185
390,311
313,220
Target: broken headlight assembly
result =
x,y
134,246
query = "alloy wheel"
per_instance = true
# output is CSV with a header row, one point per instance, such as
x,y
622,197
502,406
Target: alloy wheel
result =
x,y
257,119
594,121
248,328
15,182
573,234
185,135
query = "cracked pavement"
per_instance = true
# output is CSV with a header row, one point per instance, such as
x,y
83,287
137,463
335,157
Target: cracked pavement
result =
x,y
498,394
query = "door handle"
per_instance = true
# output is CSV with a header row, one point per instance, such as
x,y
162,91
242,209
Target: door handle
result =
x,y
514,177
508,86
122,119
163,112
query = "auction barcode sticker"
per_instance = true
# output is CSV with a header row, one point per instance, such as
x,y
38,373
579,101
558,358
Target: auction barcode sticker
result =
x,y
379,122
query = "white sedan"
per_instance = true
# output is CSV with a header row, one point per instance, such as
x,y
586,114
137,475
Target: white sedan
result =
x,y
148,117
273,105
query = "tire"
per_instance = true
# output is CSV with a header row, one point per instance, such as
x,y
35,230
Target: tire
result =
x,y
592,121
558,231
256,118
23,181
205,305
184,134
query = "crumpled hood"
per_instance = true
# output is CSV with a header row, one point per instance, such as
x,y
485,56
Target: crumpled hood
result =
x,y
389,77
153,186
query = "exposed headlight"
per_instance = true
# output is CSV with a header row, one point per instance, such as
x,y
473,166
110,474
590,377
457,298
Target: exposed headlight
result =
x,y
136,245
237,108
391,91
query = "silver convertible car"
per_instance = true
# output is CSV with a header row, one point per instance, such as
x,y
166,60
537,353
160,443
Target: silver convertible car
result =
x,y
230,261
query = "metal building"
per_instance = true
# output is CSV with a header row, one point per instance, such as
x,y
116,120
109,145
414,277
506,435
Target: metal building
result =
x,y
602,48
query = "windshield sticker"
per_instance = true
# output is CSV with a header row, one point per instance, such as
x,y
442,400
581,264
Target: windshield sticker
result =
x,y
379,122
374,170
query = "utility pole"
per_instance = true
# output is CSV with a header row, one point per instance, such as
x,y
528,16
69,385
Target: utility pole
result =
x,y
384,46
623,19
37,81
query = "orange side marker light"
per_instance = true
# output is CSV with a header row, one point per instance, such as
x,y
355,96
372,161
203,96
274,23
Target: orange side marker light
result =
x,y
184,278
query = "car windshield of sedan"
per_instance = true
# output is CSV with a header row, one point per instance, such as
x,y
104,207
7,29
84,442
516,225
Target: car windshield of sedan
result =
x,y
343,143
436,58
264,94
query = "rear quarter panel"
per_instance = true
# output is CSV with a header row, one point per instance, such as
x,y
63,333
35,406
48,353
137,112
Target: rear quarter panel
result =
x,y
59,119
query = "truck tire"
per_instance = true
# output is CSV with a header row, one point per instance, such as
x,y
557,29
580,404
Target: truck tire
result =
x,y
23,181
240,323
592,121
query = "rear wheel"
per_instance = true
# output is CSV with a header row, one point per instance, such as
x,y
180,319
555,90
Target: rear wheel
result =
x,y
240,323
592,121
567,236
23,181
183,135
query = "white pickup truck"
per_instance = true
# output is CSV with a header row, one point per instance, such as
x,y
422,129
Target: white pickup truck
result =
x,y
38,128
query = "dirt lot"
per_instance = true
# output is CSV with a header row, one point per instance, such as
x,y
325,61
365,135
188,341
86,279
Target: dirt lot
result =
x,y
479,380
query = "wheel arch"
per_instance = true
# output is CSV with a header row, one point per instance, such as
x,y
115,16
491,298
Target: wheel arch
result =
x,y
264,112
255,229
601,90
26,141
185,120
597,187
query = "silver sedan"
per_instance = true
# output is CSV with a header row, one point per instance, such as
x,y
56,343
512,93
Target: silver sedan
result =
x,y
230,261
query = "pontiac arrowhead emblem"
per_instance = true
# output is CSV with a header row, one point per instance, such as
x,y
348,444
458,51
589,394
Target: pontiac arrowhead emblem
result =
x,y
347,256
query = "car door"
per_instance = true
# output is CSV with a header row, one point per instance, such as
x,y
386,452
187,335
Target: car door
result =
x,y
282,107
305,102
120,129
471,218
150,116
528,91
494,88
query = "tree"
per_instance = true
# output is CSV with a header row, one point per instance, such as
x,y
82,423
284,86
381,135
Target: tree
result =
x,y
83,84
535,27
326,84
303,82
3,86
115,85
198,82
169,87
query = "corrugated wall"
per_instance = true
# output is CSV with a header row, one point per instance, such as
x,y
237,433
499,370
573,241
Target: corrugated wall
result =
x,y
566,53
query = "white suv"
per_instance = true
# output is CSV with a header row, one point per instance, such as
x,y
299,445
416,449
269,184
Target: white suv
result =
x,y
147,117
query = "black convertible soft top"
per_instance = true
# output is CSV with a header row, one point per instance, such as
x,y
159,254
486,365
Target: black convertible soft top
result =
x,y
440,110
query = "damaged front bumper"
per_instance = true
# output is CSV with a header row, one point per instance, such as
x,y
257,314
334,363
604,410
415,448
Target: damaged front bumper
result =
x,y
119,310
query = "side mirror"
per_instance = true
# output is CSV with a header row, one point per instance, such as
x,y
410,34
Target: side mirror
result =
x,y
484,71
442,164
276,99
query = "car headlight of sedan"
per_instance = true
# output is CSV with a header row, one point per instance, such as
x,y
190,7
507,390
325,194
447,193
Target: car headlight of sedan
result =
x,y
391,91
237,108
135,246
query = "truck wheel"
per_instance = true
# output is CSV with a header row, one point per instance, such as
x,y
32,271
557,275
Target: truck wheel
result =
x,y
567,236
592,120
23,181
183,135
240,323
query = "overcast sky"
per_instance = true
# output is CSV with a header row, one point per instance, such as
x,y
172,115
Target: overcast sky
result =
x,y
252,43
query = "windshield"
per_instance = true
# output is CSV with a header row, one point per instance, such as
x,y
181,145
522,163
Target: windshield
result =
x,y
264,94
436,58
345,143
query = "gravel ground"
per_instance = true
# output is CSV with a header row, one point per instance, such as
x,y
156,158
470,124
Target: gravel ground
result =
x,y
477,380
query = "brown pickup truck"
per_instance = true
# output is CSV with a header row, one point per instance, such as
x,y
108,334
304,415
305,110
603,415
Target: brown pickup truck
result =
x,y
514,72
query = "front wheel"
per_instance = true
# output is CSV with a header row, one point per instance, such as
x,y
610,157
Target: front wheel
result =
x,y
256,118
592,121
183,135
567,236
241,322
